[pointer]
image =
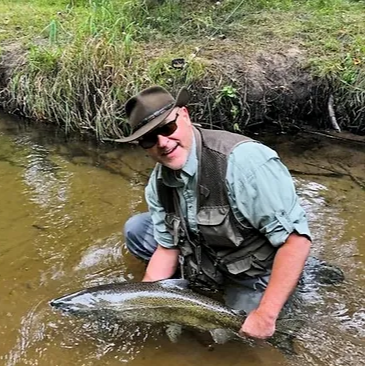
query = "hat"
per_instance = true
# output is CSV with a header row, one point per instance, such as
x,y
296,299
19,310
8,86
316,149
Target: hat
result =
x,y
148,109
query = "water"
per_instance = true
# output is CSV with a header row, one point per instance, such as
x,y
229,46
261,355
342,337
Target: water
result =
x,y
63,204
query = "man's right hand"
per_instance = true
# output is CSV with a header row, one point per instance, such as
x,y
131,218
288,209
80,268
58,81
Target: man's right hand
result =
x,y
162,265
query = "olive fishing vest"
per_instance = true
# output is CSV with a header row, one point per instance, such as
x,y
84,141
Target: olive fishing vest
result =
x,y
225,247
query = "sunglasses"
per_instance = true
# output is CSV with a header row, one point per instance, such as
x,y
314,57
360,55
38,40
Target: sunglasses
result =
x,y
149,140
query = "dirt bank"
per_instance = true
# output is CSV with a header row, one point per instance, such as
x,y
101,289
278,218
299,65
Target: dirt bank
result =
x,y
238,92
11,57
268,90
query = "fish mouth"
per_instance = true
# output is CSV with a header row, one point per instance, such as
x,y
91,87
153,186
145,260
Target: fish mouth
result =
x,y
61,305
55,303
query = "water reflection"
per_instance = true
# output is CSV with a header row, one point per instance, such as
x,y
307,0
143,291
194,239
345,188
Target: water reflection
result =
x,y
336,316
61,218
32,330
42,178
103,262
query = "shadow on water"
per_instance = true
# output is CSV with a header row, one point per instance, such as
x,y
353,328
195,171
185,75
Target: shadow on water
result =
x,y
63,204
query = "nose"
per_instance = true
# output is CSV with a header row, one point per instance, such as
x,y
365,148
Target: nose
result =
x,y
162,141
56,303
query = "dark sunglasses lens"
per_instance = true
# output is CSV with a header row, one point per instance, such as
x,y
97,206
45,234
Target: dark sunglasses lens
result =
x,y
149,140
167,129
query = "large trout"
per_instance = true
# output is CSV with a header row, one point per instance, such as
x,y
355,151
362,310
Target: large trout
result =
x,y
172,302
162,302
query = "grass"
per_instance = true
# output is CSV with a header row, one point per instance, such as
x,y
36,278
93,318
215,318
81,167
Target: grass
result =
x,y
85,57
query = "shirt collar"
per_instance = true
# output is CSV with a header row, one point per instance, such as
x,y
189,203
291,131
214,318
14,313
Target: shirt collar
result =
x,y
171,178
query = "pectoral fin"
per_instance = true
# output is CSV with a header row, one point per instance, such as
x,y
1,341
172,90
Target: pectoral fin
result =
x,y
221,336
174,283
284,342
241,313
173,331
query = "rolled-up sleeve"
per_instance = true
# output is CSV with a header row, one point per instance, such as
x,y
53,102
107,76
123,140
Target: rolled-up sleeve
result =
x,y
161,234
262,191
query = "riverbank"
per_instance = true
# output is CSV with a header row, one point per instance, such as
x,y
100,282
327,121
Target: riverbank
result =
x,y
248,65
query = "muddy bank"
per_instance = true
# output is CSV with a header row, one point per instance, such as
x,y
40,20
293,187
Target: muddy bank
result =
x,y
239,92
273,90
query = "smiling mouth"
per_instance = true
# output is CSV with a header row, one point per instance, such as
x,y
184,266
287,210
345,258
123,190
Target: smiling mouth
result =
x,y
165,153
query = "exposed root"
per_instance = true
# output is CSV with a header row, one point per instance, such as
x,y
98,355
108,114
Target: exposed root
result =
x,y
357,180
332,117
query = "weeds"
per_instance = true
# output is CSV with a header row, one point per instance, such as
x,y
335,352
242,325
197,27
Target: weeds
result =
x,y
84,88
85,57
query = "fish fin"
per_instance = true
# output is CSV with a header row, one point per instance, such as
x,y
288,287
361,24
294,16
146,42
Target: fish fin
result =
x,y
284,342
221,336
173,331
174,283
241,313
290,326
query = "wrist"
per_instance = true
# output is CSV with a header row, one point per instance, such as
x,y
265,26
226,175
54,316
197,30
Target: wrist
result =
x,y
267,312
147,278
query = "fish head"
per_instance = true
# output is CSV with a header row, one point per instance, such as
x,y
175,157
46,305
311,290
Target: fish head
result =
x,y
78,303
97,301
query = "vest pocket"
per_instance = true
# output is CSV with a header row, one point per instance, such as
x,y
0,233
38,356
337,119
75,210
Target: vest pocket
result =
x,y
239,266
251,260
216,228
248,266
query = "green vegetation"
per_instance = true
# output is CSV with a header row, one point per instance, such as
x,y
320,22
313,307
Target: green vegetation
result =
x,y
77,61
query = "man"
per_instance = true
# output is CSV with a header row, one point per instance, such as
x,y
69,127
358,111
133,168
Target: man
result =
x,y
222,207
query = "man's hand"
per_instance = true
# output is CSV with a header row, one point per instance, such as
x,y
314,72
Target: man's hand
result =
x,y
258,325
287,267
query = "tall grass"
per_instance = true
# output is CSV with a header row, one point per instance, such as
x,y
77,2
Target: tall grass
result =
x,y
84,87
85,57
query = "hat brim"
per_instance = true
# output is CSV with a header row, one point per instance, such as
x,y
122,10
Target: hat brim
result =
x,y
181,101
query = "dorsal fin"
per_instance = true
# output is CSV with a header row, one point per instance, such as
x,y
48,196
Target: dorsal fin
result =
x,y
241,313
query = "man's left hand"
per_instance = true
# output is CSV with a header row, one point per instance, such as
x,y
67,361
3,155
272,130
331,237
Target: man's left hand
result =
x,y
258,325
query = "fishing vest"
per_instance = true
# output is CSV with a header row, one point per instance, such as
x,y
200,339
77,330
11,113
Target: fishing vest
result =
x,y
224,248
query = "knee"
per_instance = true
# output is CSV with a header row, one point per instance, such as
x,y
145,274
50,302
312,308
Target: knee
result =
x,y
135,230
132,229
139,236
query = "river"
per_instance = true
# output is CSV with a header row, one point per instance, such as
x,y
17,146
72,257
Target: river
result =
x,y
63,205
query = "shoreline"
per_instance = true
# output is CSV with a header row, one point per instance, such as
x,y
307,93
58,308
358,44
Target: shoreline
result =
x,y
244,76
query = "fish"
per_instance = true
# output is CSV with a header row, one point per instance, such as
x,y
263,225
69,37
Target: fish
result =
x,y
167,302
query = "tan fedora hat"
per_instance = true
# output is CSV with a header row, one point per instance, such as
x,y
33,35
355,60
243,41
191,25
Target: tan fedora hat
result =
x,y
148,109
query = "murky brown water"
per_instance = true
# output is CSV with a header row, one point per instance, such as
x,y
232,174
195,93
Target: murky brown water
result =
x,y
62,207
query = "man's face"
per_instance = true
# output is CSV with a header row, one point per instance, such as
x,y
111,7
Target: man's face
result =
x,y
172,151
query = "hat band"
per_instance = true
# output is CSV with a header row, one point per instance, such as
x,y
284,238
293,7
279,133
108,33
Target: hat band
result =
x,y
153,116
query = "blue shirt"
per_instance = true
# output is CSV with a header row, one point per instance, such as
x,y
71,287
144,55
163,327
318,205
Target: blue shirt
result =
x,y
259,186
